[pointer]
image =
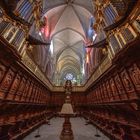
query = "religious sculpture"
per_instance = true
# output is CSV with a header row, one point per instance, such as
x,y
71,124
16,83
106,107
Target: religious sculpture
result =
x,y
68,86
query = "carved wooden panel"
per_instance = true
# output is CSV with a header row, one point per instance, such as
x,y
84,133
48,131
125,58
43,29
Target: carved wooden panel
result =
x,y
38,97
95,96
97,90
6,83
14,87
114,89
120,88
128,85
127,82
25,92
109,91
90,99
15,84
20,89
2,71
35,93
105,92
134,73
30,91
101,93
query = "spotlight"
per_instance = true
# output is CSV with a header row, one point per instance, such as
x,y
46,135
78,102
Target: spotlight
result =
x,y
40,33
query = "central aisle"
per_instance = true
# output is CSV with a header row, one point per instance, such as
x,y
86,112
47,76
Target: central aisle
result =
x,y
80,130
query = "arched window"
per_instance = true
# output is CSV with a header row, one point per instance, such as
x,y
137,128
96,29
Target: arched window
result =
x,y
69,76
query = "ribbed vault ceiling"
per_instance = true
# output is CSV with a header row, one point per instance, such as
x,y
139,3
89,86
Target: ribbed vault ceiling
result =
x,y
68,24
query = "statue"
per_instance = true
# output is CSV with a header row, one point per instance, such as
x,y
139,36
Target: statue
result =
x,y
68,87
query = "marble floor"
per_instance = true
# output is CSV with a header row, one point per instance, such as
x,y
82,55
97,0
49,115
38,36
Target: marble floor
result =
x,y
80,130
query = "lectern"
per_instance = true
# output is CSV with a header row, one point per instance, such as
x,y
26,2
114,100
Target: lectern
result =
x,y
67,112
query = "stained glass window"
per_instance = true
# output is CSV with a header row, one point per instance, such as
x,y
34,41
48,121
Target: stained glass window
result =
x,y
69,76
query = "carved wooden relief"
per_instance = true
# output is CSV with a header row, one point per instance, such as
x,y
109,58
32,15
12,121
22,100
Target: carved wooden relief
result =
x,y
33,93
128,85
105,92
119,84
13,88
127,82
25,92
6,83
90,98
109,91
38,97
98,90
36,93
7,80
102,92
2,72
134,73
30,90
15,84
120,88
114,89
95,95
21,86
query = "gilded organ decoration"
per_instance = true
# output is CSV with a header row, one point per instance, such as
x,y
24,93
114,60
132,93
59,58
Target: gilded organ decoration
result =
x,y
127,34
37,13
136,24
114,44
135,75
